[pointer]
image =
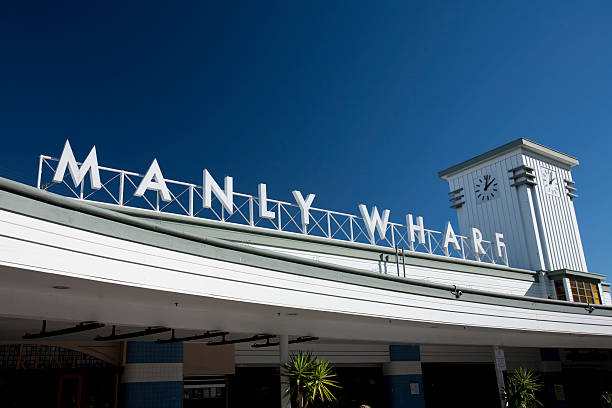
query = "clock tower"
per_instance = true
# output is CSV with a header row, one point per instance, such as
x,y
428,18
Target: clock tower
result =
x,y
526,191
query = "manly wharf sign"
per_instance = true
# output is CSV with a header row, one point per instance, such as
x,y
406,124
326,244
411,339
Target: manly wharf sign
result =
x,y
153,192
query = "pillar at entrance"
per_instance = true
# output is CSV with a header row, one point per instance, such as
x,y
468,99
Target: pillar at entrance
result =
x,y
404,378
152,375
552,374
284,358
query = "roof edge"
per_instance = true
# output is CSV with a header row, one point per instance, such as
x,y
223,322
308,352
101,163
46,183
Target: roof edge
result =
x,y
33,193
572,274
515,144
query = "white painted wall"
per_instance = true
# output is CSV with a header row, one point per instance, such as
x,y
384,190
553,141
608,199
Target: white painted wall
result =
x,y
501,214
141,283
336,353
560,232
540,230
462,279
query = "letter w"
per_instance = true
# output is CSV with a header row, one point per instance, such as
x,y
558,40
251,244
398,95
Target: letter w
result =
x,y
374,222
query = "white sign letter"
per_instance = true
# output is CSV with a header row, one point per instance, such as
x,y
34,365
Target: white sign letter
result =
x,y
450,238
263,203
78,174
374,222
499,243
154,180
225,197
477,238
419,228
304,205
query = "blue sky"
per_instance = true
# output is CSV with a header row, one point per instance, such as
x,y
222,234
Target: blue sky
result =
x,y
358,102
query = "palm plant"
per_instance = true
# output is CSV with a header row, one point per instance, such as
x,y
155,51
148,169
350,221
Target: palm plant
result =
x,y
310,379
607,397
521,389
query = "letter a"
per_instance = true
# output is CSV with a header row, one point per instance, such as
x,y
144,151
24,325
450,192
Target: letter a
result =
x,y
154,180
450,238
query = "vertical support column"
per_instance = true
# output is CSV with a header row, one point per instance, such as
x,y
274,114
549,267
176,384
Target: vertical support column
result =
x,y
568,291
552,374
284,358
153,375
404,378
500,367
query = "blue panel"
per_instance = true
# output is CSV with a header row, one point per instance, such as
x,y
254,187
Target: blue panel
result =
x,y
405,353
398,391
550,354
167,394
151,352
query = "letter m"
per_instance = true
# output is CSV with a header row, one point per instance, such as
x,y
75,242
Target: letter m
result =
x,y
77,173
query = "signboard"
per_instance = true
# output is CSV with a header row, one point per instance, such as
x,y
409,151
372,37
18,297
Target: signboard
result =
x,y
152,191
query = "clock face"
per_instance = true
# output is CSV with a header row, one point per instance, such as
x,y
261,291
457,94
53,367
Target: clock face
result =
x,y
485,188
550,182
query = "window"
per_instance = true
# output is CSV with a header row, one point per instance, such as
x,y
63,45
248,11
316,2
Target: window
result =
x,y
560,290
584,292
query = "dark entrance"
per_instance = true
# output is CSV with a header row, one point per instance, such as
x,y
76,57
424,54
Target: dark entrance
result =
x,y
254,387
584,386
34,375
58,388
360,385
260,387
460,385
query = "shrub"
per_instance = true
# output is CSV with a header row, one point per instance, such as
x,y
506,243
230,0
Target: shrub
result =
x,y
521,389
310,379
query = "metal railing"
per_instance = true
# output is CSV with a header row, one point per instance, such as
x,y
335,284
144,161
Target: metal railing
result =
x,y
118,187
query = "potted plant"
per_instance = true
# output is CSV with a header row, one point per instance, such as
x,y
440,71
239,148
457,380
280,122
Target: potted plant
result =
x,y
310,379
521,389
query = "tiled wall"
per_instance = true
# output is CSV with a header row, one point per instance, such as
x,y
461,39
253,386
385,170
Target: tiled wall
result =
x,y
153,375
404,370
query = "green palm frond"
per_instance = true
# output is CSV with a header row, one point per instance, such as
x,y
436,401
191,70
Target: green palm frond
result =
x,y
607,397
521,389
310,379
321,380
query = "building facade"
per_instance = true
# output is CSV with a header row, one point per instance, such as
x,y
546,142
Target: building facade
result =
x,y
127,289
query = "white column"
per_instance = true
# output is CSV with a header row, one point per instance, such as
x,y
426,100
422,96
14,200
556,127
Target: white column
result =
x,y
284,358
568,291
500,367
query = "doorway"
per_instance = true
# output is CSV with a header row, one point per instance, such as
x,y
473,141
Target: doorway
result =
x,y
459,384
70,391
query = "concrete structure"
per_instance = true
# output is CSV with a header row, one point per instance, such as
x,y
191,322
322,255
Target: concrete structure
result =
x,y
404,328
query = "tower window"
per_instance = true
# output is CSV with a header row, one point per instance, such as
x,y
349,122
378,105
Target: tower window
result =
x,y
585,292
559,289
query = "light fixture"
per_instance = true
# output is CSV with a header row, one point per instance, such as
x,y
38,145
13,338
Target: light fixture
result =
x,y
456,292
207,335
301,339
146,332
257,337
81,327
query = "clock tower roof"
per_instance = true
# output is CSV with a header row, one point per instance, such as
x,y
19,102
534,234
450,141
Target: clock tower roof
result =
x,y
521,143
